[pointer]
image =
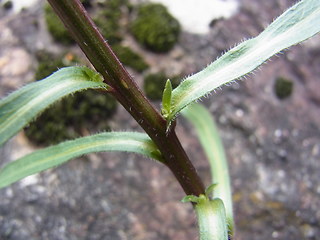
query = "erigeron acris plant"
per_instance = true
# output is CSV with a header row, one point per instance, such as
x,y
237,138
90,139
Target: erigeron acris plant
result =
x,y
213,205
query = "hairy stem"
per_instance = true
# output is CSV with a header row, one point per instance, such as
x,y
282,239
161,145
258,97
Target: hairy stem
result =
x,y
99,53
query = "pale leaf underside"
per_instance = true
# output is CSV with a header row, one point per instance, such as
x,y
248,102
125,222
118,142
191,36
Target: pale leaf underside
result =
x,y
20,107
297,24
55,155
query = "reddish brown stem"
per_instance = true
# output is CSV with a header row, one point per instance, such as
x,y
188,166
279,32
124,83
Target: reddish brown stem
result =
x,y
99,53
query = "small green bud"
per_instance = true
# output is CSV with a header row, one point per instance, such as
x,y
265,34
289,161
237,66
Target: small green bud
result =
x,y
166,99
210,189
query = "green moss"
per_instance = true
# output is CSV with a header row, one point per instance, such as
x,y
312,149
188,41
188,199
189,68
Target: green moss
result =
x,y
72,117
108,18
86,3
116,4
56,27
155,28
130,58
7,5
283,87
109,29
154,84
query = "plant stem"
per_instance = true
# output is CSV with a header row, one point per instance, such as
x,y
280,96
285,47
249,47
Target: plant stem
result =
x,y
99,53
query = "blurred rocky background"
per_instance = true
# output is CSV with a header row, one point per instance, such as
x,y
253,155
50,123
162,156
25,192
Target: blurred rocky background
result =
x,y
269,124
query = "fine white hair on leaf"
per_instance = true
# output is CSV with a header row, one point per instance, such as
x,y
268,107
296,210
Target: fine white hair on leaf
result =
x,y
186,77
247,57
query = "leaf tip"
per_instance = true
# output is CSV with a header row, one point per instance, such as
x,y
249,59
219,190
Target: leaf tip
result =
x,y
166,100
92,75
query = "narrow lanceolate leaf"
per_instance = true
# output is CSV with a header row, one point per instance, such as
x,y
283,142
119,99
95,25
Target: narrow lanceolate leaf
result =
x,y
211,219
297,24
210,140
166,99
20,107
53,156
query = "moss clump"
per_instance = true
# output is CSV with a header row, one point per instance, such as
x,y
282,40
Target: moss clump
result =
x,y
130,58
86,3
71,118
155,28
283,87
109,29
108,18
154,84
56,27
7,5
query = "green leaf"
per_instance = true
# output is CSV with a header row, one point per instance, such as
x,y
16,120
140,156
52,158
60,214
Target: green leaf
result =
x,y
20,107
166,99
297,24
53,156
210,140
210,190
211,219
